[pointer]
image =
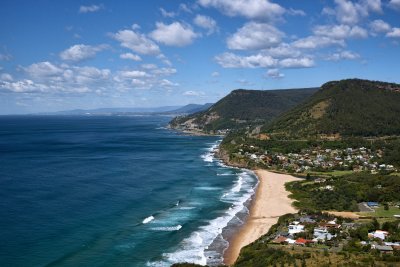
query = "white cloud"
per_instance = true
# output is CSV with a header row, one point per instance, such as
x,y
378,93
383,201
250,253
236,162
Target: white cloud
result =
x,y
230,60
340,31
137,42
167,83
81,52
5,57
46,77
395,33
22,86
133,74
313,42
163,71
130,56
283,50
296,12
253,36
43,69
303,62
90,9
343,55
206,23
185,8
379,26
348,12
167,14
252,9
174,34
6,77
275,74
192,93
215,74
395,4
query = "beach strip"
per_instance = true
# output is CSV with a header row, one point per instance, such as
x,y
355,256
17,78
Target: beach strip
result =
x,y
271,201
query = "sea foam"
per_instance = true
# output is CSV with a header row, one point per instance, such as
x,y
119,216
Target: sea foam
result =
x,y
148,219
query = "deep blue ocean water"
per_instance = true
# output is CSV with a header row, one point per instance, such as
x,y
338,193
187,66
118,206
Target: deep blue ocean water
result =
x,y
113,191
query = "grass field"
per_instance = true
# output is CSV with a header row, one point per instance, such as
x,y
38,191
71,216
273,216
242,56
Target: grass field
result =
x,y
381,212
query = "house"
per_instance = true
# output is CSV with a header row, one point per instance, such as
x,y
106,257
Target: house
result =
x,y
330,225
295,228
279,240
372,204
384,249
378,234
306,219
322,234
302,241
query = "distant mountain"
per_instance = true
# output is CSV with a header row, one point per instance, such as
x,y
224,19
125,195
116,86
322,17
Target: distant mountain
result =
x,y
343,108
191,108
242,108
106,111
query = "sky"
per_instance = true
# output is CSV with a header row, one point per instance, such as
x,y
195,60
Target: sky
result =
x,y
62,55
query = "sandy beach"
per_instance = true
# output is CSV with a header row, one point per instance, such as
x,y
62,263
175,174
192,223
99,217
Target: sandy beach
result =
x,y
271,201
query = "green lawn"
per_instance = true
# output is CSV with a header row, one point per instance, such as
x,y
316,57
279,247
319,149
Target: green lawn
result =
x,y
381,212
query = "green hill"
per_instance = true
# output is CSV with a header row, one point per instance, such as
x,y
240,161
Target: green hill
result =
x,y
342,109
243,108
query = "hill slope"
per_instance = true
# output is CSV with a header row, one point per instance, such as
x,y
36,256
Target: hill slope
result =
x,y
343,108
242,108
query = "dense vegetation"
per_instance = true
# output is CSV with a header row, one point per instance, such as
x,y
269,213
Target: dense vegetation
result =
x,y
345,108
247,107
343,193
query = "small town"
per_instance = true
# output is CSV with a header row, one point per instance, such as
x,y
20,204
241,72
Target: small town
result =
x,y
353,159
327,232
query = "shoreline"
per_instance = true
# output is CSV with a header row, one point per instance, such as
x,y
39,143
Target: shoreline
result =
x,y
269,203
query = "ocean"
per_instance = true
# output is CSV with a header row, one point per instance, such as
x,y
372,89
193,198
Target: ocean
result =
x,y
114,191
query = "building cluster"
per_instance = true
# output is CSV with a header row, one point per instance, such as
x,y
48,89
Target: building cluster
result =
x,y
298,233
318,159
315,230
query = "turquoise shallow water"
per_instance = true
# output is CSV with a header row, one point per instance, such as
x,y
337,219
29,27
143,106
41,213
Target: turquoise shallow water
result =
x,y
113,191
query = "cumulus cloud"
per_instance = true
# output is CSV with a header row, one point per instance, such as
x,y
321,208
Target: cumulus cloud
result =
x,y
253,36
167,14
206,22
394,33
275,74
303,62
215,74
6,77
379,26
252,9
230,60
340,31
343,55
395,4
137,42
46,77
348,12
90,9
130,56
81,52
262,60
315,42
174,34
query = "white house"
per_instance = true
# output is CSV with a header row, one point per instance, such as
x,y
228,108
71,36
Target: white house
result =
x,y
295,228
378,234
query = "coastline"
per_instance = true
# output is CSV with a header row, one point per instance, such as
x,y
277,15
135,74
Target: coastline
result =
x,y
270,202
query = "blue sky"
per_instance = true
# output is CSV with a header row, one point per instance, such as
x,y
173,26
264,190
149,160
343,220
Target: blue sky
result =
x,y
59,55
